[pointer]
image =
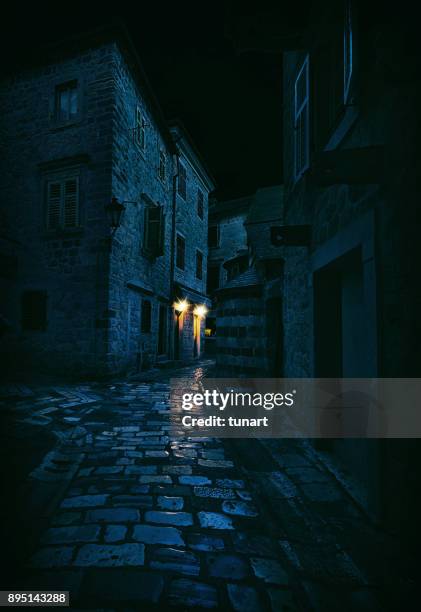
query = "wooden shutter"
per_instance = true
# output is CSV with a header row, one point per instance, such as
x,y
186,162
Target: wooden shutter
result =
x,y
54,205
71,202
155,230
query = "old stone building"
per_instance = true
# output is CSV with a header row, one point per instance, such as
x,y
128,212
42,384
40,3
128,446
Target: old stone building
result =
x,y
351,301
194,183
248,306
87,293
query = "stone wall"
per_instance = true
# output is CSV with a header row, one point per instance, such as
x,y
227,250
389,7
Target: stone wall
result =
x,y
135,179
71,266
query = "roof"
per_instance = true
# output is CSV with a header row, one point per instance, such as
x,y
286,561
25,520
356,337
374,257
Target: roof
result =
x,y
186,144
249,278
226,208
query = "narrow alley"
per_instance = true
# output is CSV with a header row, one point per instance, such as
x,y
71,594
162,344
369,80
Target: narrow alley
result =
x,y
122,513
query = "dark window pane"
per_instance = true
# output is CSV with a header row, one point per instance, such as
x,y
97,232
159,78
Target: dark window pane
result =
x,y
199,264
181,249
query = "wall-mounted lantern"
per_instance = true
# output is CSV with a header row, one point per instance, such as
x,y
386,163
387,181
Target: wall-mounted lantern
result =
x,y
181,306
114,212
200,311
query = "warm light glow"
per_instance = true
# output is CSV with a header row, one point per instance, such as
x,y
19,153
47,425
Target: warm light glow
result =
x,y
181,306
200,310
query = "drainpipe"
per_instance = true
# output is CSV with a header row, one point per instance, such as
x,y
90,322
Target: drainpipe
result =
x,y
173,235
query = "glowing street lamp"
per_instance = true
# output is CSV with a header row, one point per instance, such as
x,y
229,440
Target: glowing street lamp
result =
x,y
181,306
200,310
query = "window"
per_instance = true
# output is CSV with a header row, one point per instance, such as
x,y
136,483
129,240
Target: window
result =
x,y
348,50
182,181
154,234
199,265
213,278
162,165
66,101
146,317
34,310
139,131
63,203
213,236
181,252
200,201
301,120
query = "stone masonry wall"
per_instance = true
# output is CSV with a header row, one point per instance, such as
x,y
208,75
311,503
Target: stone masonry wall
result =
x,y
134,173
71,266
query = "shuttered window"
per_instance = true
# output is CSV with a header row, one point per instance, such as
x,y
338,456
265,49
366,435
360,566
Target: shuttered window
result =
x,y
199,265
181,252
200,200
63,203
154,230
301,120
182,181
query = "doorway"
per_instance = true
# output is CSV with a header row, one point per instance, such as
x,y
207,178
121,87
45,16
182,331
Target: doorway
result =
x,y
196,335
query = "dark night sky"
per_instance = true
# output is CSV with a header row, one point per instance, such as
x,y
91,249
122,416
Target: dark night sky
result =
x,y
231,103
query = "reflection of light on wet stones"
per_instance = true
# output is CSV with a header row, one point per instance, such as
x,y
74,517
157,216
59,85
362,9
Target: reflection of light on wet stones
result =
x,y
69,535
170,503
113,515
115,533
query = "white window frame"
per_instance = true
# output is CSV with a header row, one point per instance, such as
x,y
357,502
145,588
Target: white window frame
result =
x,y
139,130
162,165
302,121
61,203
348,50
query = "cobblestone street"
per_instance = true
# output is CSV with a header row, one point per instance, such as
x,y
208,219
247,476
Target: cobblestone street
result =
x,y
131,518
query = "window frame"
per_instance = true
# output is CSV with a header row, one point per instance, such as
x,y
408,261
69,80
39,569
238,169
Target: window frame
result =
x,y
183,241
62,180
301,113
348,49
200,204
60,88
162,165
199,268
182,173
140,128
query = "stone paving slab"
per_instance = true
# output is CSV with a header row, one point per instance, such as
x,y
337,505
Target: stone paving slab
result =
x,y
151,519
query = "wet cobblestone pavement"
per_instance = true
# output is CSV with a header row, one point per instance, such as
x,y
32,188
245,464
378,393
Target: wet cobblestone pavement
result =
x,y
137,519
